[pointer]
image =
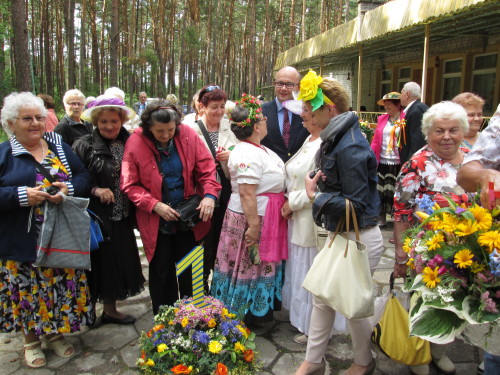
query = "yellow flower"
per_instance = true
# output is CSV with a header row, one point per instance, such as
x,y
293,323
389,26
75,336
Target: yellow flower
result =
x,y
184,322
407,245
491,240
214,347
212,323
477,267
309,86
463,258
239,347
466,228
482,216
430,277
422,215
161,348
150,362
435,242
243,331
448,223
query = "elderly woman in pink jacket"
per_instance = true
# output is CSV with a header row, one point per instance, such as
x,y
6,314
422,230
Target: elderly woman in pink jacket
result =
x,y
164,163
386,142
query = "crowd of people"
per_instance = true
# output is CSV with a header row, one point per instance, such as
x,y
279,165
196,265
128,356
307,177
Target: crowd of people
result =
x,y
271,180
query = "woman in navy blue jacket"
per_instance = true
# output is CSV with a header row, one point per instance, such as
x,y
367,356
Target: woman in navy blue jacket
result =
x,y
37,301
348,169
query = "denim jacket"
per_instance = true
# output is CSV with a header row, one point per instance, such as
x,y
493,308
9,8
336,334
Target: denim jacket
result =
x,y
350,167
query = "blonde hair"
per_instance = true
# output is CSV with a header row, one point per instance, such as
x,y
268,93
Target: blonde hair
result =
x,y
468,98
334,90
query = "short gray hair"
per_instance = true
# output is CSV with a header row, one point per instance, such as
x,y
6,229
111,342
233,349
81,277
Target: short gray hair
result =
x,y
413,89
14,102
445,110
73,93
115,91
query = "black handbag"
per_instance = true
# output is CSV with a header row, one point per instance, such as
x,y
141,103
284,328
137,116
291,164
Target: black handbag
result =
x,y
189,215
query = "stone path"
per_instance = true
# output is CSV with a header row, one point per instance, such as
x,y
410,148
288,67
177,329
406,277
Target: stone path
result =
x,y
111,349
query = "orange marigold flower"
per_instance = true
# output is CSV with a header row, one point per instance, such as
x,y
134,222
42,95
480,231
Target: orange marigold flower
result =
x,y
181,369
221,369
248,355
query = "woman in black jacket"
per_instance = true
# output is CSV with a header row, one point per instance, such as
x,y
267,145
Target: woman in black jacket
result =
x,y
116,269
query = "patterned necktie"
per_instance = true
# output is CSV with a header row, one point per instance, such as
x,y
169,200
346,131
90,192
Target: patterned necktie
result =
x,y
286,127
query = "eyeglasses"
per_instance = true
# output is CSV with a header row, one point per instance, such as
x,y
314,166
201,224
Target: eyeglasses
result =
x,y
30,119
207,89
288,85
75,104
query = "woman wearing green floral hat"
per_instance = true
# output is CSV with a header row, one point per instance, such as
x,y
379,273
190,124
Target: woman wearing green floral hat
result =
x,y
347,169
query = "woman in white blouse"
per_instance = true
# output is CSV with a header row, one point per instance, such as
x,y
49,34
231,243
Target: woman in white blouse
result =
x,y
253,244
302,230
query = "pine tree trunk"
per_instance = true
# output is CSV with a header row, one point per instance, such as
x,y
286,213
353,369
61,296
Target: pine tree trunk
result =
x,y
113,44
20,45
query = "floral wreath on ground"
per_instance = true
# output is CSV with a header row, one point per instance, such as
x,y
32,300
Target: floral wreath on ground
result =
x,y
454,266
187,339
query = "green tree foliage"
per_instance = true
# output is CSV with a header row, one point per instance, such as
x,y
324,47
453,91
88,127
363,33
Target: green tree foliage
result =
x,y
233,43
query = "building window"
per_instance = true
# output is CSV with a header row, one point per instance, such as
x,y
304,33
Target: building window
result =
x,y
483,79
452,79
386,82
404,76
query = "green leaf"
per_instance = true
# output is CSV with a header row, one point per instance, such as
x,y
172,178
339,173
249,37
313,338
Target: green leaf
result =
x,y
436,325
250,345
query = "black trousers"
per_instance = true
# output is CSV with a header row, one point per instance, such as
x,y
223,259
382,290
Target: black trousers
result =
x,y
164,286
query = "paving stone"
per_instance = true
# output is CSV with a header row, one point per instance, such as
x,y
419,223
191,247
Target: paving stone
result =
x,y
11,362
88,363
283,336
29,371
288,363
144,323
130,353
109,336
266,351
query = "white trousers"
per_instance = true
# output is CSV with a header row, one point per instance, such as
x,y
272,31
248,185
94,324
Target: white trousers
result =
x,y
323,316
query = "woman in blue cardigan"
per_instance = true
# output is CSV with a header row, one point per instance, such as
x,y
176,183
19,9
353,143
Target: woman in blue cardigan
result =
x,y
37,301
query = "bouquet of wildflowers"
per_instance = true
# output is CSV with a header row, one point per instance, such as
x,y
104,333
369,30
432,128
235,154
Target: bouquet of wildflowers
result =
x,y
187,339
366,129
454,259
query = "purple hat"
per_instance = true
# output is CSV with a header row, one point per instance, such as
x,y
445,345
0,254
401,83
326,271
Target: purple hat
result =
x,y
106,101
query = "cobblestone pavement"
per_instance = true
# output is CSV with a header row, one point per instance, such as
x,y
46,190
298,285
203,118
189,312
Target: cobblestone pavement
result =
x,y
111,349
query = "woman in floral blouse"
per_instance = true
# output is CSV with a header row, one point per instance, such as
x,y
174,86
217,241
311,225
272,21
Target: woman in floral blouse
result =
x,y
431,173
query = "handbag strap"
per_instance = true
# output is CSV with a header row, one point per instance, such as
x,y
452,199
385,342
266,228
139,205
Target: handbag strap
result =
x,y
40,168
349,208
218,167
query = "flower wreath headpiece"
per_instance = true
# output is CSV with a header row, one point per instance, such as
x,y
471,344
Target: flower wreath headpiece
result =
x,y
310,91
252,104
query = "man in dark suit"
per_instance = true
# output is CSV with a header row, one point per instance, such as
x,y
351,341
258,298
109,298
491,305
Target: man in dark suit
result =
x,y
415,109
285,133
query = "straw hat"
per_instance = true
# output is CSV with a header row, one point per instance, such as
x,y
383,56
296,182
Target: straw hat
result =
x,y
106,101
391,96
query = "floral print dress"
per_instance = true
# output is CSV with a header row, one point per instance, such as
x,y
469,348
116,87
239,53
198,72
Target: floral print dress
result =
x,y
40,299
426,174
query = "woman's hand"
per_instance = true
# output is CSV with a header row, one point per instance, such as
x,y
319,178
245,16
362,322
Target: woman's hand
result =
x,y
166,212
400,270
312,184
206,208
286,211
252,235
105,195
63,189
223,155
36,196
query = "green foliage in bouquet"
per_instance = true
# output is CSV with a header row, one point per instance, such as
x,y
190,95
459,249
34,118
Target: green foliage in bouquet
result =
x,y
366,129
454,265
187,339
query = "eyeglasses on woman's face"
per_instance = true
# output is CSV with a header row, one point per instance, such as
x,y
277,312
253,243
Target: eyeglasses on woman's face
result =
x,y
28,120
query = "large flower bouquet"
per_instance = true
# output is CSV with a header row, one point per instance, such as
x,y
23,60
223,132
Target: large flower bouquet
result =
x,y
454,259
187,339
